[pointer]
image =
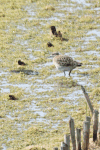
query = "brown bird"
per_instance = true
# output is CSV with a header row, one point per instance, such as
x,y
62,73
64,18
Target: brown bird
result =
x,y
50,44
53,30
12,97
64,63
21,63
55,33
59,35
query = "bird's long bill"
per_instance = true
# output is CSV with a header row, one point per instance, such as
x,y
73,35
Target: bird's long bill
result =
x,y
50,56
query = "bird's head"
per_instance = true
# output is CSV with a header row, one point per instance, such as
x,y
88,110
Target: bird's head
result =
x,y
54,54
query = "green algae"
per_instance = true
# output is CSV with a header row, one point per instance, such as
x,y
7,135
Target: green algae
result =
x,y
20,127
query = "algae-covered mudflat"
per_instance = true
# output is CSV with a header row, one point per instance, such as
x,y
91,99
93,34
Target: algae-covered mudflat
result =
x,y
45,99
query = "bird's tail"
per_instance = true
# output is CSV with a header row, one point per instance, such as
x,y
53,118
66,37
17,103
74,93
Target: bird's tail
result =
x,y
79,64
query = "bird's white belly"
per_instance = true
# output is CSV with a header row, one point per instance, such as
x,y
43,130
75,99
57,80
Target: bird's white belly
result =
x,y
64,68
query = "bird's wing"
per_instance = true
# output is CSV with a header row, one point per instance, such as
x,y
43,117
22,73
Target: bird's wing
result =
x,y
65,61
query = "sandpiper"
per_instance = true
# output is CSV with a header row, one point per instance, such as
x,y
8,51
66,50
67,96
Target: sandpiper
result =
x,y
64,63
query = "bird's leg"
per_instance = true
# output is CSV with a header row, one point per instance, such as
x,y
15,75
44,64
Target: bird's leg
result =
x,y
64,73
70,72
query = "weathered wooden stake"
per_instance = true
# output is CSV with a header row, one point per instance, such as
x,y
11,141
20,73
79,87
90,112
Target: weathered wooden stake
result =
x,y
89,120
99,126
85,135
67,140
95,125
64,146
78,138
72,132
55,148
87,99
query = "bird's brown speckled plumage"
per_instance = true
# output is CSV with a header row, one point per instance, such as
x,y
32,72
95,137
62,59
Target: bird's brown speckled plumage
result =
x,y
64,63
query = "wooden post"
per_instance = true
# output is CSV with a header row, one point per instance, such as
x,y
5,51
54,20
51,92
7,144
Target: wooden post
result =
x,y
95,125
72,132
99,126
55,148
85,135
87,99
67,140
89,120
64,146
78,139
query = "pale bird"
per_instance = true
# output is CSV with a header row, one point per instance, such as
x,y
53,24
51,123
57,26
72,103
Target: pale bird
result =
x,y
64,63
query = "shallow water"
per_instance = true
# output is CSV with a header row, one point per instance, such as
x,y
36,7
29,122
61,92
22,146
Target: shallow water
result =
x,y
44,95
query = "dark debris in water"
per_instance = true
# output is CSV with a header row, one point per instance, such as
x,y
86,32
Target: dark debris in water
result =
x,y
21,63
50,44
65,39
27,72
12,97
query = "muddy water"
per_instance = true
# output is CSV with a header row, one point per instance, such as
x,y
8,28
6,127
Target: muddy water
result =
x,y
47,99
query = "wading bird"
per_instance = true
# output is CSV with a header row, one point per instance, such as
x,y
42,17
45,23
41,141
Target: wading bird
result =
x,y
64,63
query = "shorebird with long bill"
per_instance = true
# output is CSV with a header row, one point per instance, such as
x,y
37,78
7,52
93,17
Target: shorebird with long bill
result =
x,y
64,63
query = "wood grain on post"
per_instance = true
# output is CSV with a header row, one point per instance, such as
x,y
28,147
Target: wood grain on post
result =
x,y
85,135
99,126
78,138
72,132
87,99
89,120
95,125
67,140
64,146
55,148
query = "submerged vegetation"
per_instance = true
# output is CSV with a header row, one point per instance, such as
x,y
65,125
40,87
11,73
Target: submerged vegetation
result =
x,y
45,98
